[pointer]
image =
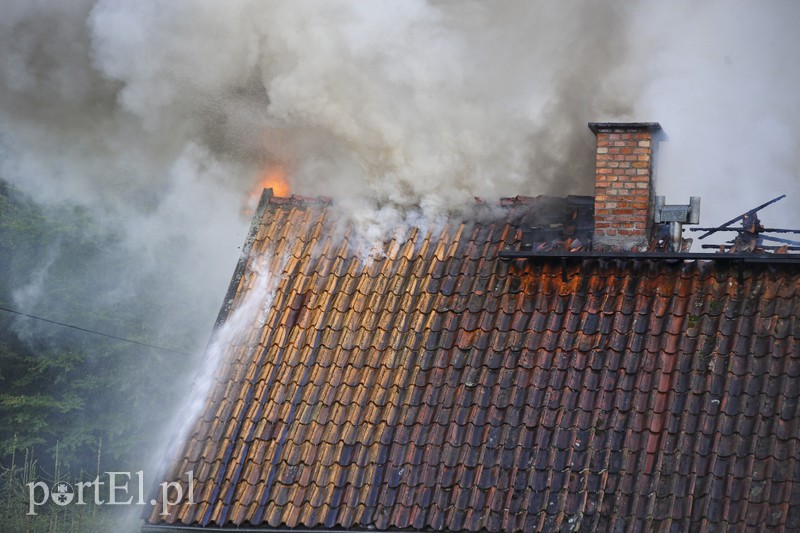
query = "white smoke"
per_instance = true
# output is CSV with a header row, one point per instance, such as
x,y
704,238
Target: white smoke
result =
x,y
722,78
403,106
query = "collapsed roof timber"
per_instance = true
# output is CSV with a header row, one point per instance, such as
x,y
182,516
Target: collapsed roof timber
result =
x,y
438,386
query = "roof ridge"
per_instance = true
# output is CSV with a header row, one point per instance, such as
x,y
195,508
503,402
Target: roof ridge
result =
x,y
298,199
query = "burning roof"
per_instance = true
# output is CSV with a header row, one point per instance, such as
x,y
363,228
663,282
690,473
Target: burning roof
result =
x,y
436,386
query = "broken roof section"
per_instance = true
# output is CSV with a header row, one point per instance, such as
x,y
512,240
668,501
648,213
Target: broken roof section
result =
x,y
625,218
439,387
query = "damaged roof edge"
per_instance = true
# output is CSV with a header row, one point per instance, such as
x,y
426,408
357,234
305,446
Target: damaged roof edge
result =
x,y
266,195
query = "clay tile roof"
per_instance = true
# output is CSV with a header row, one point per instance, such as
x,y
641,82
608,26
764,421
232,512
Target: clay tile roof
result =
x,y
430,385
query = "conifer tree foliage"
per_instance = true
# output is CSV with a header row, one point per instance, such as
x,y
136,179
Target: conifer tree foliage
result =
x,y
66,386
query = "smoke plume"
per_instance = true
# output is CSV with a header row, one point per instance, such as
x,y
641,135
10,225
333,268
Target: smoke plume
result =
x,y
151,113
722,79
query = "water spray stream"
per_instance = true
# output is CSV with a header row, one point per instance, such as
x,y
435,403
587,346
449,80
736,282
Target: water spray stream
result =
x,y
241,328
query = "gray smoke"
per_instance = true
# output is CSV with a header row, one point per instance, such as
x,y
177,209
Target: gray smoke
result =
x,y
158,115
414,106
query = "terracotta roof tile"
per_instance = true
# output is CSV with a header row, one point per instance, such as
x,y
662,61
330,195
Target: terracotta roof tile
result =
x,y
435,386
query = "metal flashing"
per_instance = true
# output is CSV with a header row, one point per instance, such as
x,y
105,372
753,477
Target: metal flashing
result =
x,y
654,256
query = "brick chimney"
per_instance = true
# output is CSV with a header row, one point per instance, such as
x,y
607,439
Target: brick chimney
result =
x,y
623,196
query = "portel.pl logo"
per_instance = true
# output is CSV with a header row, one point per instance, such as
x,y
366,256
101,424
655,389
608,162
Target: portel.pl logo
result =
x,y
62,493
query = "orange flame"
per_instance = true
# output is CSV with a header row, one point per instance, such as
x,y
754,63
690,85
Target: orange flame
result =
x,y
275,179
272,178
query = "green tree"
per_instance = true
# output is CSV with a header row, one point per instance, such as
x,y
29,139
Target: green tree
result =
x,y
65,387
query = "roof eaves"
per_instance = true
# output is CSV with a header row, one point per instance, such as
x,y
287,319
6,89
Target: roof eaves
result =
x,y
296,199
181,528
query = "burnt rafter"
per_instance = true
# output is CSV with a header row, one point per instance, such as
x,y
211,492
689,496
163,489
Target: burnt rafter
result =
x,y
745,218
752,235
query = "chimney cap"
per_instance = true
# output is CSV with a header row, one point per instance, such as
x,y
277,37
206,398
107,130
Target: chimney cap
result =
x,y
629,126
